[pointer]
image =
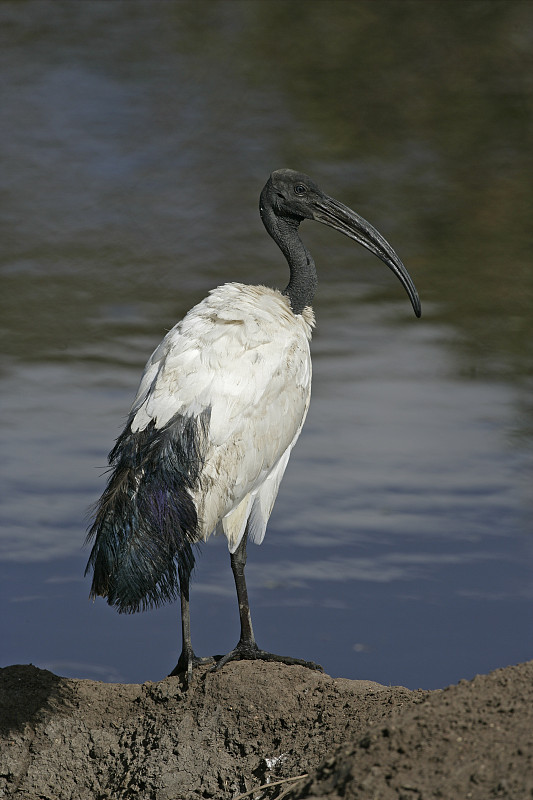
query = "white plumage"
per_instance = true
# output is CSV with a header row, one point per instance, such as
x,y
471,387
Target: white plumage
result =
x,y
244,355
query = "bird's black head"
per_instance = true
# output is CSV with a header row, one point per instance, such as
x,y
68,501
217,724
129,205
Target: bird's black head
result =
x,y
290,194
289,197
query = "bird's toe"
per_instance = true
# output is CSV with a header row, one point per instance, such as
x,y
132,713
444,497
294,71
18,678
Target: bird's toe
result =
x,y
187,662
250,651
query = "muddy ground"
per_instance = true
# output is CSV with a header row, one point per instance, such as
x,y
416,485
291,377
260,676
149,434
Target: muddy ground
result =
x,y
256,723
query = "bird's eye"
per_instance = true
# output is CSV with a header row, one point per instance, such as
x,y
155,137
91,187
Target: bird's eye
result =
x,y
300,189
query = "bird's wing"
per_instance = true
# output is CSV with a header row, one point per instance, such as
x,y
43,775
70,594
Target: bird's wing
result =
x,y
261,402
264,500
242,355
256,506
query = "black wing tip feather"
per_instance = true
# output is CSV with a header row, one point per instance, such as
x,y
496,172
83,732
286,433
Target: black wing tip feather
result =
x,y
145,595
145,524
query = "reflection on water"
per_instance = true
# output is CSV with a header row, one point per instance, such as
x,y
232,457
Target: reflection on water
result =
x,y
399,549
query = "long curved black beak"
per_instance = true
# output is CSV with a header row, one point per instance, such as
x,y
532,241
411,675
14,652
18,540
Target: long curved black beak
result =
x,y
341,218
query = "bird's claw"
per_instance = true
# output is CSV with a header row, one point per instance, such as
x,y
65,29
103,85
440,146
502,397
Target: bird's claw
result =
x,y
251,652
187,662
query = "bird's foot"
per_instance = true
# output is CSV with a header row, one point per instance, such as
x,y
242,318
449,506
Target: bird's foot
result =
x,y
186,662
249,651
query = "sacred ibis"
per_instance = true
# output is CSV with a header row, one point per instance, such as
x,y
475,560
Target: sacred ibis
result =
x,y
220,406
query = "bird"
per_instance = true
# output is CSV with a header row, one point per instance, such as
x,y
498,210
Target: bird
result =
x,y
220,406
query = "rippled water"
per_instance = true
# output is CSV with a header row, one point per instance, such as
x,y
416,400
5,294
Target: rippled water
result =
x,y
136,140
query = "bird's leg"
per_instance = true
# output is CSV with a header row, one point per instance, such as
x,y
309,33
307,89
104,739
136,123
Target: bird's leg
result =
x,y
246,646
187,659
238,563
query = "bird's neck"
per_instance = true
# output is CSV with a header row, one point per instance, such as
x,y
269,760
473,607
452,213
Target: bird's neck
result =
x,y
303,281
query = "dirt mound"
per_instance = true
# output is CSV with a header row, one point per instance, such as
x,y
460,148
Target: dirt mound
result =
x,y
256,722
473,740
